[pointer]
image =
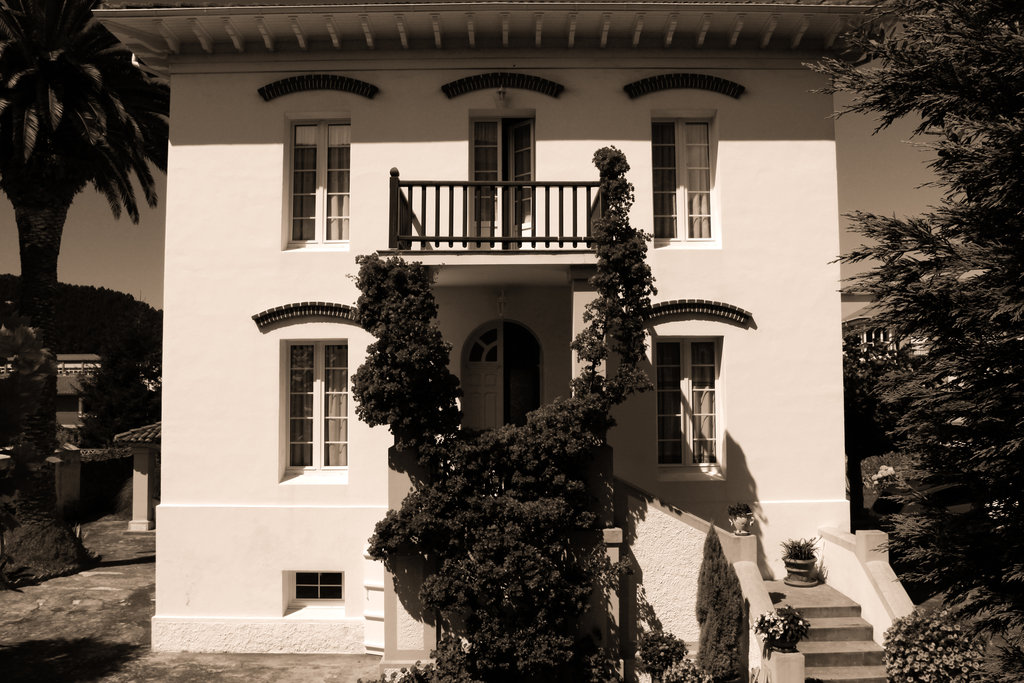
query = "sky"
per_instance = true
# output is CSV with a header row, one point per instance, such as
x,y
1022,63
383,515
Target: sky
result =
x,y
879,173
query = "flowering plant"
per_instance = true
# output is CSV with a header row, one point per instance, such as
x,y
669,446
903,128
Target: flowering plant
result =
x,y
686,671
931,647
782,629
884,477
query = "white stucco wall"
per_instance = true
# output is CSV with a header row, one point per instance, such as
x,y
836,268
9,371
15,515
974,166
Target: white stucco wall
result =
x,y
230,523
668,554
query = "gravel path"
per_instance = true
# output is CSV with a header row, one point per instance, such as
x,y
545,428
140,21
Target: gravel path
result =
x,y
95,626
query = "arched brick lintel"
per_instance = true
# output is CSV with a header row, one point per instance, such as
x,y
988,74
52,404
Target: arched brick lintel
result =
x,y
502,79
292,84
646,86
703,307
306,309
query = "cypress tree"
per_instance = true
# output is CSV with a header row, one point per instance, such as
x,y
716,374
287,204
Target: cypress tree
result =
x,y
951,279
720,613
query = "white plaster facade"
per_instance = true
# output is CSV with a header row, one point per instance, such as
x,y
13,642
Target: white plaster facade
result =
x,y
233,522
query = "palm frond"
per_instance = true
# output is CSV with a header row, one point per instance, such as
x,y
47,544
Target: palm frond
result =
x,y
56,109
30,129
75,110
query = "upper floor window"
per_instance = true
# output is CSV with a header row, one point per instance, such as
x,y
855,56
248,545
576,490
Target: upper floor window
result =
x,y
681,160
320,174
687,375
317,405
503,150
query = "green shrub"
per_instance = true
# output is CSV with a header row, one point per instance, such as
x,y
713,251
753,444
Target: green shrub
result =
x,y
659,651
686,671
720,613
926,647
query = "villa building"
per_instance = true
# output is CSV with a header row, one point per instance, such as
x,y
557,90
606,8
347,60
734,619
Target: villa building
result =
x,y
460,135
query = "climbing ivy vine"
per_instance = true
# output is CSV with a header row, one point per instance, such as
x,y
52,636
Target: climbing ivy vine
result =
x,y
504,521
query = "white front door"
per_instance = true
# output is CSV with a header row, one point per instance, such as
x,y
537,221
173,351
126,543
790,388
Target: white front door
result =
x,y
500,376
482,402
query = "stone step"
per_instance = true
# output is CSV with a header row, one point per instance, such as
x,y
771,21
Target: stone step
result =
x,y
840,653
813,602
839,628
846,674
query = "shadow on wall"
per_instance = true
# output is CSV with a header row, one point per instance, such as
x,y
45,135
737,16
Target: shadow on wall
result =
x,y
633,506
741,488
407,573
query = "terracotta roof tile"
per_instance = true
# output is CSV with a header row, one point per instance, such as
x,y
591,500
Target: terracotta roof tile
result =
x,y
148,434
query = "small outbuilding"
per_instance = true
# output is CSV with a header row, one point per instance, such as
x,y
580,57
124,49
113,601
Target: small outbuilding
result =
x,y
145,445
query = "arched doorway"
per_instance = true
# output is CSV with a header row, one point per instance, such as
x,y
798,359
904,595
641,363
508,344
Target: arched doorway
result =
x,y
500,375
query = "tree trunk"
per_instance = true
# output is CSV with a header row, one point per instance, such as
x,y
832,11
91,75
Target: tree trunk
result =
x,y
42,545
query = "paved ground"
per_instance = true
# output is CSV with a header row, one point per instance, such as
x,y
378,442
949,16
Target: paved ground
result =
x,y
94,626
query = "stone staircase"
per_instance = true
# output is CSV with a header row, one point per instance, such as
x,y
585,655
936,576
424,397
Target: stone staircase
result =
x,y
839,646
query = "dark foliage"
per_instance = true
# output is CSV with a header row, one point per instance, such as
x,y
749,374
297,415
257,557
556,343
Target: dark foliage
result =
x,y
658,650
869,420
951,279
127,335
504,521
404,381
30,366
75,110
125,391
624,288
720,613
88,319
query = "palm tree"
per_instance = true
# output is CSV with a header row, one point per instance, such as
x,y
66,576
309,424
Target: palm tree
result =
x,y
75,109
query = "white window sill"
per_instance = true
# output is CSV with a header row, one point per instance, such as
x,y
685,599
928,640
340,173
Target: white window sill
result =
x,y
315,477
316,246
328,612
690,473
662,243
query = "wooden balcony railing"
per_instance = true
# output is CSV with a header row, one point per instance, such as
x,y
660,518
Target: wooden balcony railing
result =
x,y
480,215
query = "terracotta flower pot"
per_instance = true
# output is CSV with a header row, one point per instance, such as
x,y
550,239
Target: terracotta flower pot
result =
x,y
800,573
784,645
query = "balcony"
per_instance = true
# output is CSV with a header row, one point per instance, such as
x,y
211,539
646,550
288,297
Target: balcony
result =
x,y
495,216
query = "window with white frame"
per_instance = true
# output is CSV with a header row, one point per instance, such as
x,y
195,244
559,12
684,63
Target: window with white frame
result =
x,y
312,587
317,405
681,161
503,150
320,183
687,379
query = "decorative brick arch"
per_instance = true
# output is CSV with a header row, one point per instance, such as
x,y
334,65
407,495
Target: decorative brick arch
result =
x,y
287,86
646,86
702,307
307,310
502,79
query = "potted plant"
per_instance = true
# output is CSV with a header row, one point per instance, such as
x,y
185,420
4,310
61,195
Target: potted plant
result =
x,y
741,517
799,556
782,629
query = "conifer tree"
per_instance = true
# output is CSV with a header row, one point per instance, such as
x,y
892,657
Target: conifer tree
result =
x,y
952,279
720,613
